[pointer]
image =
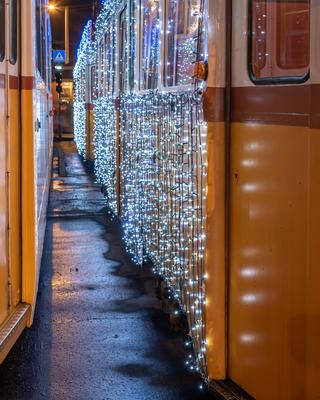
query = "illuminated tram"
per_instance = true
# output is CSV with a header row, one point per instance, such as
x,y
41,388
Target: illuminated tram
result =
x,y
202,121
25,162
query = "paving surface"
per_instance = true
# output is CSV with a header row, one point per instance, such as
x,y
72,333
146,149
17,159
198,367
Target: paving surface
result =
x,y
99,331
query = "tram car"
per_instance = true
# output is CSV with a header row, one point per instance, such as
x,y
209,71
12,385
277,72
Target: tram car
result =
x,y
26,150
202,121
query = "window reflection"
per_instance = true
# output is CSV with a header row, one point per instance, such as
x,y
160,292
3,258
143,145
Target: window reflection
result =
x,y
181,40
150,10
2,30
280,38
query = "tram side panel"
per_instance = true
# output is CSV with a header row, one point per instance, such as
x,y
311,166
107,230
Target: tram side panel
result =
x,y
25,148
214,115
15,313
10,159
14,156
274,182
42,111
3,207
36,143
43,134
273,306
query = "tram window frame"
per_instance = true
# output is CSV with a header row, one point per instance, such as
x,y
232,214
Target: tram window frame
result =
x,y
13,31
294,79
2,30
48,52
101,73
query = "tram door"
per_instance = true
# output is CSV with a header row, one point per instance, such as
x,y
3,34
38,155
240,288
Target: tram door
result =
x,y
10,266
273,319
4,273
10,274
14,154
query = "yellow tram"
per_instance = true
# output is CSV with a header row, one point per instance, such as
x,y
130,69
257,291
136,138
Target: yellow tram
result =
x,y
216,175
25,162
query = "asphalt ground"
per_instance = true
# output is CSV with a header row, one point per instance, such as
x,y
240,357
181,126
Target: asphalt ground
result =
x,y
99,332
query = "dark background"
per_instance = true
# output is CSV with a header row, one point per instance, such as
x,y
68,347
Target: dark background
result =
x,y
80,12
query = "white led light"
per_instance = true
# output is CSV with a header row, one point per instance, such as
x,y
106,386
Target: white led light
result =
x,y
163,153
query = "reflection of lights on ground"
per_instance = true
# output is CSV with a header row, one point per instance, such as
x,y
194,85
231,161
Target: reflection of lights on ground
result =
x,y
61,282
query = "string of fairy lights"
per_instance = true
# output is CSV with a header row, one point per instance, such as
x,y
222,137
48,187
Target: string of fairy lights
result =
x,y
150,139
84,57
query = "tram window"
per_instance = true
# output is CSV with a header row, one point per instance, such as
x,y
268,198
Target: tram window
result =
x,y
49,53
93,75
127,48
38,19
41,42
280,39
83,86
108,61
132,50
2,30
181,41
101,69
123,65
150,52
13,37
113,57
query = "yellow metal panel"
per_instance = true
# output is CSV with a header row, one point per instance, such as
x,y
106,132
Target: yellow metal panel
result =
x,y
15,196
36,150
3,209
41,143
215,252
310,318
274,322
29,262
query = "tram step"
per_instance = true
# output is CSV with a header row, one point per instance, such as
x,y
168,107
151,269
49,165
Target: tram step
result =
x,y
12,328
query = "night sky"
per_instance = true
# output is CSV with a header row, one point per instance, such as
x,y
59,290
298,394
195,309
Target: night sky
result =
x,y
80,12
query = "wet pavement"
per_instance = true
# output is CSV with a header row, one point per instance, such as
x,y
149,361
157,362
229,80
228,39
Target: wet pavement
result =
x,y
99,330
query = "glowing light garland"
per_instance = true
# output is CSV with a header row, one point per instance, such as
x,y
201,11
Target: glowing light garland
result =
x,y
162,149
84,57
